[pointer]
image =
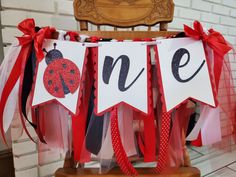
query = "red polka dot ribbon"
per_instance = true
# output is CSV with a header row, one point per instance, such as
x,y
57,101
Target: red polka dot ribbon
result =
x,y
121,157
164,142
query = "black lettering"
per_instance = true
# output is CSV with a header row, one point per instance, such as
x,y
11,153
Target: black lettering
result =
x,y
176,64
108,67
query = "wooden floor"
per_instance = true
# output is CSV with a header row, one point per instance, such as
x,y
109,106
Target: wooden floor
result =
x,y
6,164
215,162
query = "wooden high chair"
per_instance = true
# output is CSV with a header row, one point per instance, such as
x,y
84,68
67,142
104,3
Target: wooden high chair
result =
x,y
126,14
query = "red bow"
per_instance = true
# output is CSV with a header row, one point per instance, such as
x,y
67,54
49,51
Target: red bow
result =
x,y
28,28
95,39
214,39
74,36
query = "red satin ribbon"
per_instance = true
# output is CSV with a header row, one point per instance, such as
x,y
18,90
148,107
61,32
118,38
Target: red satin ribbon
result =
x,y
78,133
149,138
10,83
149,121
28,28
79,122
147,142
74,36
215,40
94,39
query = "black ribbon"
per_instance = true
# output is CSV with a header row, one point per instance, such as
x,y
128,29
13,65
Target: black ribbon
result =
x,y
94,128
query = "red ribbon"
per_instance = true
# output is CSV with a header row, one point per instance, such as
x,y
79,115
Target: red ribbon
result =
x,y
149,133
28,28
9,85
94,39
74,36
119,151
30,36
164,142
79,121
220,47
214,39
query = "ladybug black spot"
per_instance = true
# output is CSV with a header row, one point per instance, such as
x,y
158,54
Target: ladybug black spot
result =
x,y
72,71
51,71
56,89
50,82
64,65
71,82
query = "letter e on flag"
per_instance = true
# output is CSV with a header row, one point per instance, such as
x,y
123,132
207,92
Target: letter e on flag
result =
x,y
184,72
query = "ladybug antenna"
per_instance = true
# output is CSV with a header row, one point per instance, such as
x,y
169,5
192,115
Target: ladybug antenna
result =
x,y
45,50
54,44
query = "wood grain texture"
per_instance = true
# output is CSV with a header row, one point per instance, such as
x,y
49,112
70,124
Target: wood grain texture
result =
x,y
124,13
129,34
144,172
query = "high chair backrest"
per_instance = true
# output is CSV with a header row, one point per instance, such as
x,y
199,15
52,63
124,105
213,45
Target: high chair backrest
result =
x,y
124,14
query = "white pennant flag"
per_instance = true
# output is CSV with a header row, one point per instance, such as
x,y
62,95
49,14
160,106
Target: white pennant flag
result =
x,y
184,72
59,74
122,75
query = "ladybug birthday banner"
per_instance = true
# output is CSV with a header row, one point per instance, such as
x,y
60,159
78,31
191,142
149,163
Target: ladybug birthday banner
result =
x,y
109,99
122,74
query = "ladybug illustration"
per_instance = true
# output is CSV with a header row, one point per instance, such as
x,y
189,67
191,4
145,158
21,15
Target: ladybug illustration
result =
x,y
61,76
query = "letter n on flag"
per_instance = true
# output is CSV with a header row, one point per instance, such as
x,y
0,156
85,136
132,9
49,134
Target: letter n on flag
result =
x,y
122,76
184,72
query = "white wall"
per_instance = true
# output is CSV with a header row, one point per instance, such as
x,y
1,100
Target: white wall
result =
x,y
219,14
